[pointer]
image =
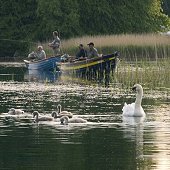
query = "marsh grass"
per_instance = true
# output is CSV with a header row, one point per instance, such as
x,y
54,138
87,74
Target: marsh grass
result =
x,y
128,44
145,58
152,74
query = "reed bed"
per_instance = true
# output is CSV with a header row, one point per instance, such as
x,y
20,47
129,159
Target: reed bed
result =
x,y
130,45
145,58
154,75
119,40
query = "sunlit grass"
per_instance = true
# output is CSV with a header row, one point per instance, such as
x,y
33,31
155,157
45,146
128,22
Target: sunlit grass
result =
x,y
151,74
118,40
131,46
145,58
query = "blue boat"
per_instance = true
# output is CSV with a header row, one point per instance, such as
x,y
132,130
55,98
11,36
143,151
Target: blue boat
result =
x,y
45,64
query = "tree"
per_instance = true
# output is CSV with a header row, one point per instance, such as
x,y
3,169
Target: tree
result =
x,y
61,15
112,16
17,19
37,19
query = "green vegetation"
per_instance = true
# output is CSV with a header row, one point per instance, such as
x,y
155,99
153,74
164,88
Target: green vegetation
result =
x,y
131,46
144,58
152,74
35,20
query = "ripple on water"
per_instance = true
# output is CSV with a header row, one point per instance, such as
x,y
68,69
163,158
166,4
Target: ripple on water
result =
x,y
145,142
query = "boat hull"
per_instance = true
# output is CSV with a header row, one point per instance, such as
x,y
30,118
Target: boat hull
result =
x,y
45,64
98,68
95,63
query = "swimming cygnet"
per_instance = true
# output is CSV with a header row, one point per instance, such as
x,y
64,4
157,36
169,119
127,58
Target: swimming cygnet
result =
x,y
65,120
13,111
62,113
42,118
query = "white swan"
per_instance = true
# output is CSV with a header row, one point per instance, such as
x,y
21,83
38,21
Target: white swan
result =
x,y
13,111
42,118
63,113
65,120
135,109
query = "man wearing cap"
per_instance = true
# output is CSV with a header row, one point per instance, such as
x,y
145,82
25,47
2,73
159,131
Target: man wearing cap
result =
x,y
92,51
82,52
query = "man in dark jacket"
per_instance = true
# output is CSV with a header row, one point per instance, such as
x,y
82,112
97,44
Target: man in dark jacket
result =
x,y
82,52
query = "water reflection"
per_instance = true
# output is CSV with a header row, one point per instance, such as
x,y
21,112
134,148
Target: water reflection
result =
x,y
12,72
42,76
107,141
20,73
133,130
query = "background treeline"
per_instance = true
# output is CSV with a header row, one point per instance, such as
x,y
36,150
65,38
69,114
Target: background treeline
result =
x,y
35,20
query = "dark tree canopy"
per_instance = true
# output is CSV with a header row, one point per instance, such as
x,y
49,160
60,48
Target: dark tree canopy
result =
x,y
36,19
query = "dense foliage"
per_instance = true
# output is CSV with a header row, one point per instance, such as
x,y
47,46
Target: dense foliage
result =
x,y
35,20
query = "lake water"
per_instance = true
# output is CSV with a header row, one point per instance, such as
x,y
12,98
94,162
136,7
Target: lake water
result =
x,y
107,141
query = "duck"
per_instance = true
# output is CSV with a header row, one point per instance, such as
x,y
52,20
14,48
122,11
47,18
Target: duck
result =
x,y
65,120
62,113
42,118
135,109
13,111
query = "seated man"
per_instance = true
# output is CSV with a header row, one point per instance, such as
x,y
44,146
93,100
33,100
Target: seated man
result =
x,y
82,52
39,55
92,51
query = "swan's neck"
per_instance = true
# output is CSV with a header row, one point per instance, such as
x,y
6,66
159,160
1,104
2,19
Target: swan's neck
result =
x,y
55,115
59,110
139,98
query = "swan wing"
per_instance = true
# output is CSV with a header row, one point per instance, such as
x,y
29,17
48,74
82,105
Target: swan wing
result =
x,y
77,120
128,109
19,111
45,118
65,113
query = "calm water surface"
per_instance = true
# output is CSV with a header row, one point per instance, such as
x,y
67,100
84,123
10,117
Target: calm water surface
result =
x,y
107,141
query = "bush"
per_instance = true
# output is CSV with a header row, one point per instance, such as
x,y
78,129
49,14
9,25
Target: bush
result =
x,y
14,48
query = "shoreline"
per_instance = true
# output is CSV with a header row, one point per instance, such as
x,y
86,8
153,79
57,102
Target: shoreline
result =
x,y
12,64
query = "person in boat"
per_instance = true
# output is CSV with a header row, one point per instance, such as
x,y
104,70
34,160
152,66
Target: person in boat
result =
x,y
38,55
55,44
92,51
82,53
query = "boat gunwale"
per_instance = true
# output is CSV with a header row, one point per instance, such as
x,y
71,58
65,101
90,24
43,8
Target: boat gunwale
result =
x,y
43,60
88,62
